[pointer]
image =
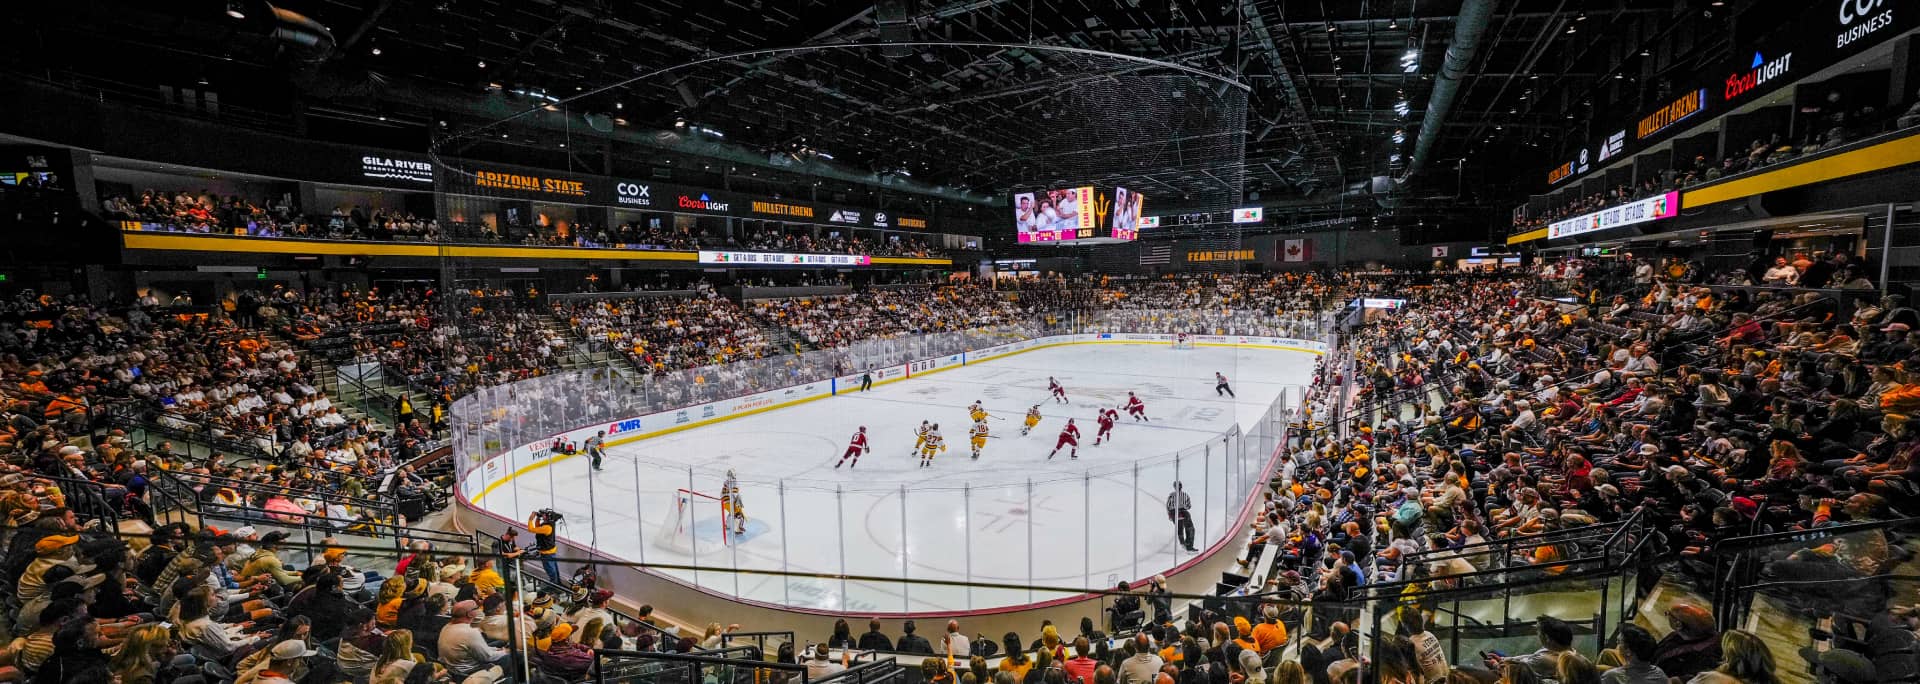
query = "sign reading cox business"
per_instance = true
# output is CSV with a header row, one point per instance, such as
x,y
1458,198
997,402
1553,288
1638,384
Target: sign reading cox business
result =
x,y
633,194
1862,19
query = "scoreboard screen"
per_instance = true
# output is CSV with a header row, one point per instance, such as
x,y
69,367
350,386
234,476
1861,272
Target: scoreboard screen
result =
x,y
1054,215
1126,214
1083,215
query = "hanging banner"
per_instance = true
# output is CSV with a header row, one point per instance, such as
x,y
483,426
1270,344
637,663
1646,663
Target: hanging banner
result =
x,y
1650,209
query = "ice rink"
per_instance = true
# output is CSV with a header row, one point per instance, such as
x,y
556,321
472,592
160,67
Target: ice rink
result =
x,y
1012,517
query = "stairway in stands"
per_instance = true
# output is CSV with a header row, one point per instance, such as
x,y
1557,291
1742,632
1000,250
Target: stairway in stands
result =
x,y
581,355
371,399
784,340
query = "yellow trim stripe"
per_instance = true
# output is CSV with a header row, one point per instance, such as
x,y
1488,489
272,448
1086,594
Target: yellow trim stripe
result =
x,y
484,491
256,245
1879,157
1528,236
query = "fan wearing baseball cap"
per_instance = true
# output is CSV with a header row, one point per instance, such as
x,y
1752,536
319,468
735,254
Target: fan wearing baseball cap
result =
x,y
463,648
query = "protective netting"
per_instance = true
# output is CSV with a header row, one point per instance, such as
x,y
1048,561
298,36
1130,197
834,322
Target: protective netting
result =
x,y
526,372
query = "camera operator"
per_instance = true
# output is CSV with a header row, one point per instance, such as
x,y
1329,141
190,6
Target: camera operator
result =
x,y
546,545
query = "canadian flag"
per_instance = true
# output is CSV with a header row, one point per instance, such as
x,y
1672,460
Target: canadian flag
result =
x,y
1296,250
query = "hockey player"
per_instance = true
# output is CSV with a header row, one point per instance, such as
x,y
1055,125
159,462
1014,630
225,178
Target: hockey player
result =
x,y
977,412
1069,437
1220,386
1059,392
919,438
935,443
732,509
855,447
1033,419
597,448
978,435
1105,420
1136,408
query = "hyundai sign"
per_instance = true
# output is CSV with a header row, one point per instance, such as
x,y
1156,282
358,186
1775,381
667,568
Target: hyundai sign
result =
x,y
1642,211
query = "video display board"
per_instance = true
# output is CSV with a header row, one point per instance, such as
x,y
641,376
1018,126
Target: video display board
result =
x,y
1054,215
1126,214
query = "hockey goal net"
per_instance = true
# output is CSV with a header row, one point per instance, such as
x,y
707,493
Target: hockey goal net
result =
x,y
1182,341
695,524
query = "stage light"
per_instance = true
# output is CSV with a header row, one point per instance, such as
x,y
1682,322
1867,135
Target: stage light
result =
x,y
235,10
483,64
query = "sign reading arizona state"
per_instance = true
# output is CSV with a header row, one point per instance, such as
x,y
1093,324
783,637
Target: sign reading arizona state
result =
x,y
528,183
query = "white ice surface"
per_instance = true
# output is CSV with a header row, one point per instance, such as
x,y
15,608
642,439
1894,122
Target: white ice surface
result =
x,y
1088,522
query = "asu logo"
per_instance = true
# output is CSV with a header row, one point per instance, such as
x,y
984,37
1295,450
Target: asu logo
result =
x,y
1102,205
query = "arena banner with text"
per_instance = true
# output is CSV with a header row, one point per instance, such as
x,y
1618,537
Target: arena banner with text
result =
x,y
1826,33
1657,207
523,183
782,259
495,180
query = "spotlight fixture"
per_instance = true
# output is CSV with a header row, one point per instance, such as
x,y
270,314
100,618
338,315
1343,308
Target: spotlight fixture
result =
x,y
375,51
1402,107
483,64
1399,136
236,10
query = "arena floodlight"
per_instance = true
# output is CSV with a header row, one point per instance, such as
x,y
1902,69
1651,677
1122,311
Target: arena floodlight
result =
x,y
235,10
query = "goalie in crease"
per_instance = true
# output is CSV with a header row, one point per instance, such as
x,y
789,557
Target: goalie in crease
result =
x,y
733,511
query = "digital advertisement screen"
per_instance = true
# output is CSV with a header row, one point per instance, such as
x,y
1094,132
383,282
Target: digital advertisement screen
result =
x,y
1126,214
783,259
1652,208
1053,215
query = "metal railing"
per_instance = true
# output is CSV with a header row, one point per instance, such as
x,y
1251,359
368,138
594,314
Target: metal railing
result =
x,y
543,585
737,665
1740,563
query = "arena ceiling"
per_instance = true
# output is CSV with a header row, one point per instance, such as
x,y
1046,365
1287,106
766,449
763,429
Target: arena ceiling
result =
x,y
1327,78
